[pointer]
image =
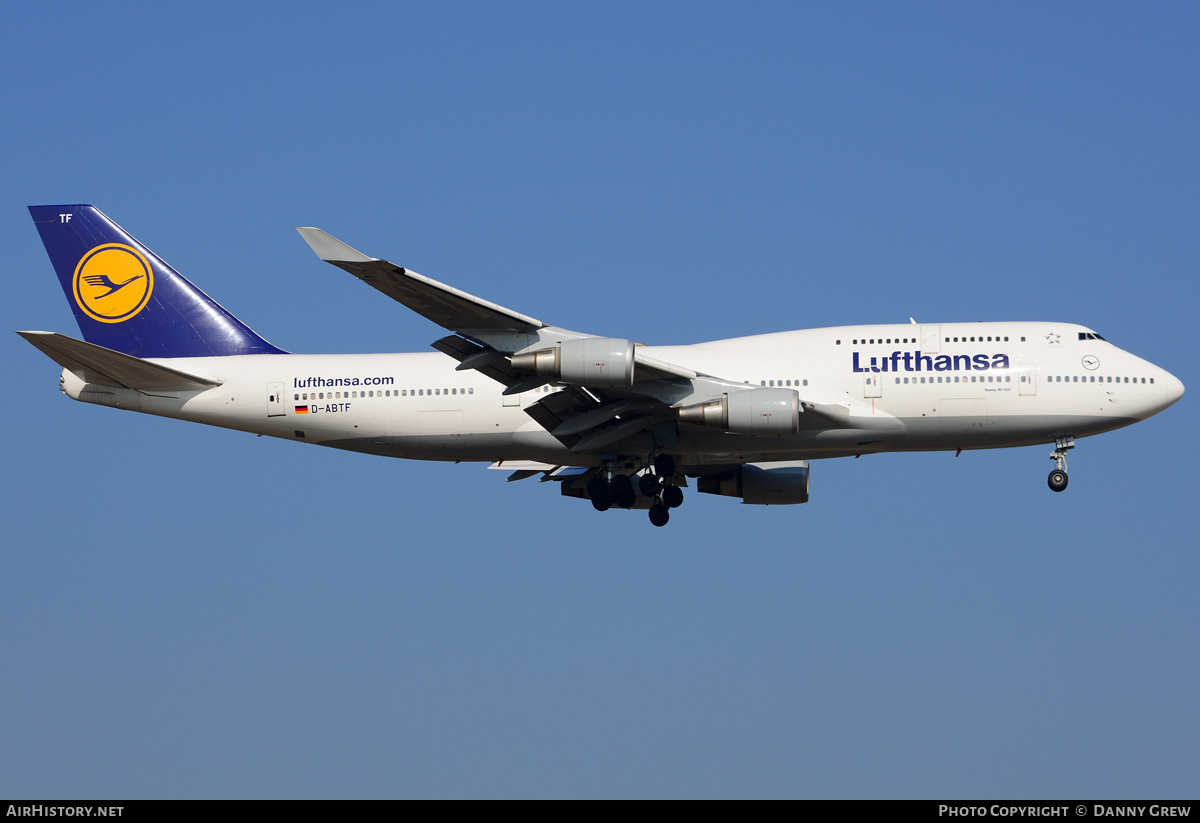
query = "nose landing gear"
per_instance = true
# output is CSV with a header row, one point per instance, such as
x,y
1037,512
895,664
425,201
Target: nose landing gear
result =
x,y
1058,478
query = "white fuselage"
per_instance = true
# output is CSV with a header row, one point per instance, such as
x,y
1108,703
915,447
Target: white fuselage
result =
x,y
907,388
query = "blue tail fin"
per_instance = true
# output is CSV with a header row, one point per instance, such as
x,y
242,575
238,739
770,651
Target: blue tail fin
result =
x,y
128,299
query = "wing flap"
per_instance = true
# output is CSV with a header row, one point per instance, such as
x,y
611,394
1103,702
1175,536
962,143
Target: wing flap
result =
x,y
551,411
615,433
480,358
96,364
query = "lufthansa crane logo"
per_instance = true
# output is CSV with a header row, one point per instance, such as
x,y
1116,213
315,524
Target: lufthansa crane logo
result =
x,y
113,283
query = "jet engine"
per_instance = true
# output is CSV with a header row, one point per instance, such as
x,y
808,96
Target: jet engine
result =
x,y
748,411
766,484
590,361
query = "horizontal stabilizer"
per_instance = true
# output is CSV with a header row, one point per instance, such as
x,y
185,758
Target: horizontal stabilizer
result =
x,y
96,364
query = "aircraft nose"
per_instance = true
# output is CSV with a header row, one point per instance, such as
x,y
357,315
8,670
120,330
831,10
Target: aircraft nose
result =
x,y
1173,386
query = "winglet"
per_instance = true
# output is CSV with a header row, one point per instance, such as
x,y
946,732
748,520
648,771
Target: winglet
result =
x,y
329,248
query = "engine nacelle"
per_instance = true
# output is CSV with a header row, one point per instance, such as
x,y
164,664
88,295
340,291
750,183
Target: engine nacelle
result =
x,y
748,411
768,484
592,361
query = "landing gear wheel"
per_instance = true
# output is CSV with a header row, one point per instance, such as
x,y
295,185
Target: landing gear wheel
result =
x,y
659,514
600,493
649,484
621,488
597,486
664,467
672,497
1058,477
1057,480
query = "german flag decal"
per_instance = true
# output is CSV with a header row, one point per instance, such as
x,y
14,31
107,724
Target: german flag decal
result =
x,y
302,410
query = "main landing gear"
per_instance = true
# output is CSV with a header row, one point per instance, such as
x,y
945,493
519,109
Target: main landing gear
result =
x,y
607,489
670,496
1058,478
606,492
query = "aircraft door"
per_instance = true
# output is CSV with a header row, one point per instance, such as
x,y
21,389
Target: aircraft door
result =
x,y
275,403
872,386
931,339
1027,379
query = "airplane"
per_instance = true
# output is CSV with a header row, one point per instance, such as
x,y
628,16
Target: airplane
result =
x,y
613,421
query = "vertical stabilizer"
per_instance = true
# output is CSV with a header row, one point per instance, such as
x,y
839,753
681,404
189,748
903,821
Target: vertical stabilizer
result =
x,y
126,298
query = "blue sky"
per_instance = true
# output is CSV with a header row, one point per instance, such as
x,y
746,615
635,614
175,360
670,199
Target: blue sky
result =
x,y
191,612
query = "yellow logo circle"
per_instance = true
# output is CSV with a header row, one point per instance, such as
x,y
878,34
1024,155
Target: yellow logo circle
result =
x,y
112,283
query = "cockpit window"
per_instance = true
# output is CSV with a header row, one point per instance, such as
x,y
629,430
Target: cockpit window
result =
x,y
1089,335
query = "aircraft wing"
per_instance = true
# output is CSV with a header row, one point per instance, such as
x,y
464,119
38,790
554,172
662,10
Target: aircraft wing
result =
x,y
584,415
447,306
471,317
